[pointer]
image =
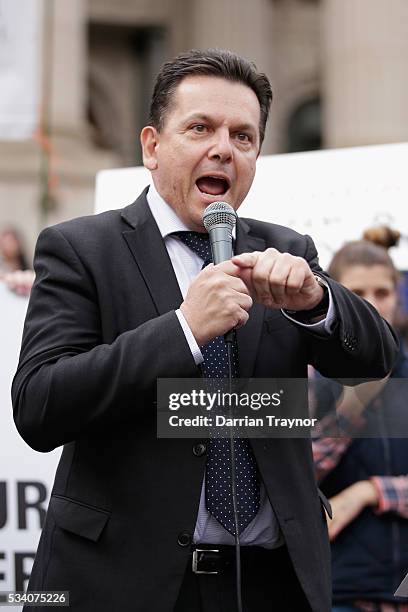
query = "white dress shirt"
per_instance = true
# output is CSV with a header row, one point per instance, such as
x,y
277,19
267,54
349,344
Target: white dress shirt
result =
x,y
263,529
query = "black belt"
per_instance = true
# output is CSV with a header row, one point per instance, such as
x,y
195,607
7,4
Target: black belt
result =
x,y
216,559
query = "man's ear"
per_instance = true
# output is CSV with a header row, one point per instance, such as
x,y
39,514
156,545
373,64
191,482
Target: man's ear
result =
x,y
149,139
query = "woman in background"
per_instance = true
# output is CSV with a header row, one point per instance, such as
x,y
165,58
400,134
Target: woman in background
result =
x,y
366,479
12,255
14,271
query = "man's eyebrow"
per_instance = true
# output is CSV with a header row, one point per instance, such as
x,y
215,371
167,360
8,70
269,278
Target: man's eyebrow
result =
x,y
207,119
246,127
198,117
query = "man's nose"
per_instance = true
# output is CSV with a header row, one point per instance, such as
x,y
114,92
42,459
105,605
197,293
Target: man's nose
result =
x,y
221,148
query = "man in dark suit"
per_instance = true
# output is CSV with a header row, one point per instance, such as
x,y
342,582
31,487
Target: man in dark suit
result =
x,y
120,300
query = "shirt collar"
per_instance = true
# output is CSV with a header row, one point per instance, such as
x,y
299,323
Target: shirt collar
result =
x,y
165,217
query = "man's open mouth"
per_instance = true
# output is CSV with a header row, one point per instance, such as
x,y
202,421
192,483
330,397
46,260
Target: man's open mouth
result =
x,y
213,185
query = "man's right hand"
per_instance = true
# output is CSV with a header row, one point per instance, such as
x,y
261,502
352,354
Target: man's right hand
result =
x,y
217,301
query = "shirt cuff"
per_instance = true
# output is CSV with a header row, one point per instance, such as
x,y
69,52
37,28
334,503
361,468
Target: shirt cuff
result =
x,y
392,494
323,327
194,348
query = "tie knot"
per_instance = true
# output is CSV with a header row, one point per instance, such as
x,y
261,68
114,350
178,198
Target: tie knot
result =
x,y
199,243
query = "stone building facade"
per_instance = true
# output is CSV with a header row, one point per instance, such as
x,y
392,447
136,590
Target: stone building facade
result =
x,y
338,70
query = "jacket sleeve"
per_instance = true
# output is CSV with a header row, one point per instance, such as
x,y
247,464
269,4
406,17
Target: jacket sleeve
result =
x,y
68,381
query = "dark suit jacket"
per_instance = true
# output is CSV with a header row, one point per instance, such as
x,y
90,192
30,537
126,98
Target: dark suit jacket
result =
x,y
100,329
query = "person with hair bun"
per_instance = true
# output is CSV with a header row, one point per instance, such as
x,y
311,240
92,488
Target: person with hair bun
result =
x,y
366,478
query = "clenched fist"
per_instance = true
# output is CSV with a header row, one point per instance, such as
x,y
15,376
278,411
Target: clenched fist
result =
x,y
279,280
217,301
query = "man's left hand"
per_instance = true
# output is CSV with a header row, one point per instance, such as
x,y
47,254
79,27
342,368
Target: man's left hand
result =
x,y
279,280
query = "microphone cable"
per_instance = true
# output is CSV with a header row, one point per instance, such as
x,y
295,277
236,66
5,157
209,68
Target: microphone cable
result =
x,y
229,340
219,218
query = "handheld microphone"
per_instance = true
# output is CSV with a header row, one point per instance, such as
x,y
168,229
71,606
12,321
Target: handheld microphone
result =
x,y
219,219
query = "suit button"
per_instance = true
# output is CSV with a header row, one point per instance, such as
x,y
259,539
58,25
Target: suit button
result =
x,y
184,539
199,449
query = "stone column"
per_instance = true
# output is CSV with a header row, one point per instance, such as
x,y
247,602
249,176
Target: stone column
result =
x,y
68,62
365,85
75,161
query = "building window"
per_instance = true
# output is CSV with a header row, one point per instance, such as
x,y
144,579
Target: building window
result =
x,y
304,131
123,63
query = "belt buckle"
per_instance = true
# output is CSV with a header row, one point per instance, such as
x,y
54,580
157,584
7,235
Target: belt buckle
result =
x,y
196,560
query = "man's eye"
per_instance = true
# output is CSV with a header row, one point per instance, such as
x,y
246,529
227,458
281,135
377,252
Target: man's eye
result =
x,y
242,137
199,128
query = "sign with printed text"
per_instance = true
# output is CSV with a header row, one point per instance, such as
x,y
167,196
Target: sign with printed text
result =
x,y
26,476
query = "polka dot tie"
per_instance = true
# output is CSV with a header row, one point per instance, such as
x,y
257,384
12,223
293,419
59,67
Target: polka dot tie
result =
x,y
218,471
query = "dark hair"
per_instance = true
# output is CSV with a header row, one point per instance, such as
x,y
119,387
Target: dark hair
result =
x,y
371,251
22,262
212,62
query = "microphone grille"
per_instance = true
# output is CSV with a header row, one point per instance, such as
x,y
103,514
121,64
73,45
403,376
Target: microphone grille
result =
x,y
219,212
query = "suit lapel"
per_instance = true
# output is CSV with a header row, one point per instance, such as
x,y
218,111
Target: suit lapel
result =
x,y
150,253
248,336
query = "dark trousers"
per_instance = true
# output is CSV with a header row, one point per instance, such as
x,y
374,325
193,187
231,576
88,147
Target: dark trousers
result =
x,y
269,583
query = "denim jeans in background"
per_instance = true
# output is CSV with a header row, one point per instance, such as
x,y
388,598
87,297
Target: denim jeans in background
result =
x,y
346,608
